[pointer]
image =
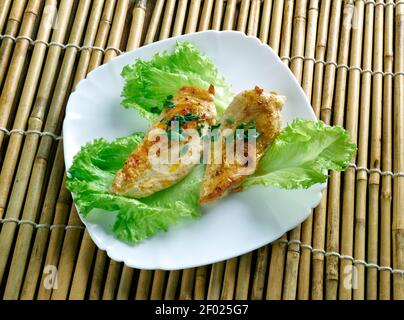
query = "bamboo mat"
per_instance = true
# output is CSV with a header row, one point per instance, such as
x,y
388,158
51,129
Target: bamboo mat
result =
x,y
349,58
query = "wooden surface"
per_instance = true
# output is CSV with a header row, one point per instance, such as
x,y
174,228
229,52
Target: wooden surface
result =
x,y
347,55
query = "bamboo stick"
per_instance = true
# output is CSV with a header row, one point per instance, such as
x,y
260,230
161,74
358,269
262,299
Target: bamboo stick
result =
x,y
117,29
333,208
125,283
13,24
215,281
82,269
363,145
387,137
135,33
339,108
28,153
200,283
330,70
303,287
154,22
193,15
97,279
144,285
257,291
265,20
352,126
375,155
111,282
91,32
102,34
187,284
293,253
18,59
276,270
172,285
167,19
55,241
179,17
398,186
319,216
243,277
204,22
229,279
5,6
217,15
276,25
253,21
228,23
158,285
243,15
66,262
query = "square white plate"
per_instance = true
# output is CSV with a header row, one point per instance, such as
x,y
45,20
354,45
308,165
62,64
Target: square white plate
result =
x,y
235,225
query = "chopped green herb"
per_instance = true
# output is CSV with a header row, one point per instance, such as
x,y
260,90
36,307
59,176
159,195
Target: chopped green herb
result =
x,y
215,126
190,117
168,104
155,110
241,125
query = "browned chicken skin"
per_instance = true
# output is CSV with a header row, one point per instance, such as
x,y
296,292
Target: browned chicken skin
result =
x,y
251,106
139,177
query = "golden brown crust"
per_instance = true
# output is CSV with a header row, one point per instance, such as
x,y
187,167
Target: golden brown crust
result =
x,y
264,109
138,178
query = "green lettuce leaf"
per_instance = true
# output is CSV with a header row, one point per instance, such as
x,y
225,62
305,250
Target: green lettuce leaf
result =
x,y
299,158
148,83
302,154
92,173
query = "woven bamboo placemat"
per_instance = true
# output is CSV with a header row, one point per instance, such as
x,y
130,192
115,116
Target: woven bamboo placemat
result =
x,y
349,58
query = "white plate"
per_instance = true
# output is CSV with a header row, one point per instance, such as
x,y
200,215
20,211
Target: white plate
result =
x,y
238,224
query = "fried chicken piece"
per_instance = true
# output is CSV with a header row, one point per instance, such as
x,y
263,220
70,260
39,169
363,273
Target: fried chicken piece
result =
x,y
249,107
141,175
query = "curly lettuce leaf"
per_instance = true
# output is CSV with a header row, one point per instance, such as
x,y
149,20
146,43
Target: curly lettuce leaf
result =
x,y
302,154
299,158
92,173
148,83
